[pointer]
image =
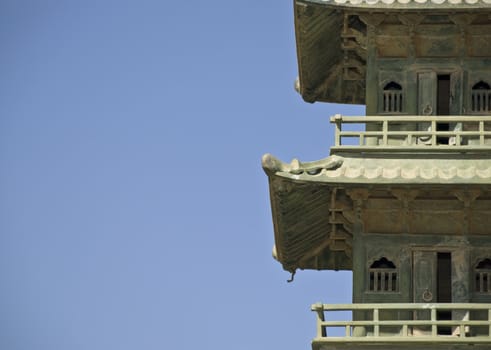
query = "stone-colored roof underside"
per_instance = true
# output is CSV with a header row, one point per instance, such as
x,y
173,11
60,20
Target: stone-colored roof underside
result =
x,y
302,229
331,41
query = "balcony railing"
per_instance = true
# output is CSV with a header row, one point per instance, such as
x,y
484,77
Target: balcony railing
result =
x,y
470,323
421,133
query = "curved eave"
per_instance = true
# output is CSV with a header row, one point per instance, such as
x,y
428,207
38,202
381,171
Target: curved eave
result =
x,y
303,194
303,232
406,5
320,57
323,74
395,169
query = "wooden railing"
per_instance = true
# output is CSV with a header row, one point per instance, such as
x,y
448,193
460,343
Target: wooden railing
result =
x,y
416,132
414,322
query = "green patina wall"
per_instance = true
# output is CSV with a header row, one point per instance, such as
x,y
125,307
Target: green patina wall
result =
x,y
402,48
413,51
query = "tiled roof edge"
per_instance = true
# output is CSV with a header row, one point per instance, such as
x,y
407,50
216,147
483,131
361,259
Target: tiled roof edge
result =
x,y
408,4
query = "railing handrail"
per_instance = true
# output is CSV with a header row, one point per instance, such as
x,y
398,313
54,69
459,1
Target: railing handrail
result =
x,y
409,118
401,306
476,129
405,325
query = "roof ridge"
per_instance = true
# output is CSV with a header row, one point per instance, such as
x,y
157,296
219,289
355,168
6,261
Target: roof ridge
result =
x,y
407,2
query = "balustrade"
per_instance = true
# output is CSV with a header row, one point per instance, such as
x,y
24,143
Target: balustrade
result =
x,y
440,133
414,322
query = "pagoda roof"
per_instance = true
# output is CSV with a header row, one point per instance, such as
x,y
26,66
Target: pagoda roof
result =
x,y
312,202
332,48
385,169
405,4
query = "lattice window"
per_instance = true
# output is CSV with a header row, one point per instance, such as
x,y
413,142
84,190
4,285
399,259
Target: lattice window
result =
x,y
382,276
481,97
393,97
483,276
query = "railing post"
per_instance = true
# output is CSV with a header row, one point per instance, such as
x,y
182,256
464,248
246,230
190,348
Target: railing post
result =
x,y
404,330
376,326
458,136
385,130
338,128
433,132
321,330
481,133
433,325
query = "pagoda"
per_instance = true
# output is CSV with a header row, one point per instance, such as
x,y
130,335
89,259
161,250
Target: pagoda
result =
x,y
404,198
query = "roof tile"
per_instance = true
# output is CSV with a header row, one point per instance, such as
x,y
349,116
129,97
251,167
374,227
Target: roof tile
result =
x,y
407,2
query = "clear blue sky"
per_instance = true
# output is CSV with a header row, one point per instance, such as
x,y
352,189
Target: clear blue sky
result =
x,y
134,213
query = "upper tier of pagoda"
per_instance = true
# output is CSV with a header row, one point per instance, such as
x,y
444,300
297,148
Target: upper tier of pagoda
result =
x,y
338,41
